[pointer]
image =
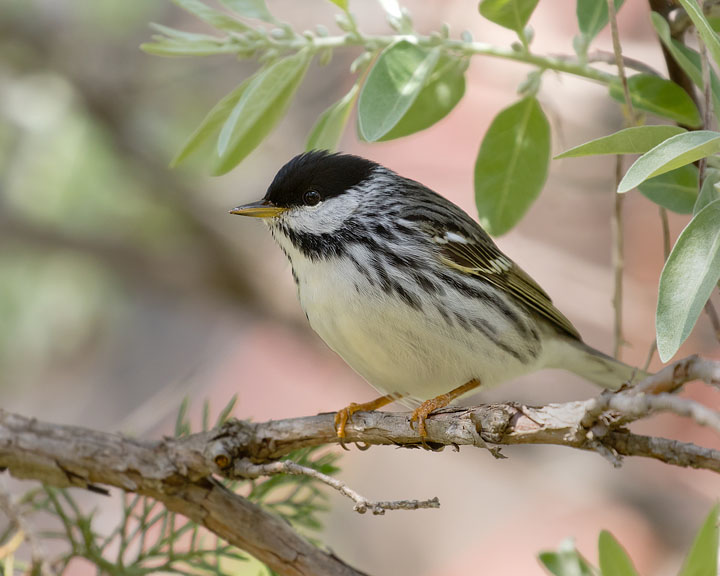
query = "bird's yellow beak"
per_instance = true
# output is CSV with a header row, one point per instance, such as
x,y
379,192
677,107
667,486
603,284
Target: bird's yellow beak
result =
x,y
259,209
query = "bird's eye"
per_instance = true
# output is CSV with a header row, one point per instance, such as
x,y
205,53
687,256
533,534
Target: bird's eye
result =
x,y
311,198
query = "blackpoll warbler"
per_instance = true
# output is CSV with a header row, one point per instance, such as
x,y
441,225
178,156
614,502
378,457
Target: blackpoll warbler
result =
x,y
412,292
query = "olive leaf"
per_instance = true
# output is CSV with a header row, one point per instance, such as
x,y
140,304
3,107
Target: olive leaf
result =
x,y
260,107
512,165
393,84
690,274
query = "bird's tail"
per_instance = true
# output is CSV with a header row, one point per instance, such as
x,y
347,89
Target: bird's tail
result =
x,y
599,368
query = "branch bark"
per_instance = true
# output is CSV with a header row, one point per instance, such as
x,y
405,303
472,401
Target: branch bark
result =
x,y
172,471
179,471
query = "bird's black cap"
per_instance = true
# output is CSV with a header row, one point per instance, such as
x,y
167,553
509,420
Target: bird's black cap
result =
x,y
328,174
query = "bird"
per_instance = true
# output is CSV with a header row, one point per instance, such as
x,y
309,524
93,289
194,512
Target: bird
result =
x,y
412,292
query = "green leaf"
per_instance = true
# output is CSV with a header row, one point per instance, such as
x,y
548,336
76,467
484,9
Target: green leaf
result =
x,y
174,34
512,165
567,561
330,126
691,272
177,49
676,190
250,9
259,109
592,16
687,58
709,191
614,561
659,96
670,154
635,140
211,123
708,35
512,14
703,557
444,89
392,86
342,4
213,17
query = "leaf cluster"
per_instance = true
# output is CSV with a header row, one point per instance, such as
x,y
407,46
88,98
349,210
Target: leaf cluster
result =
x,y
407,82
614,560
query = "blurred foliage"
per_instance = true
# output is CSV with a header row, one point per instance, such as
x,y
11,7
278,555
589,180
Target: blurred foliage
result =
x,y
88,208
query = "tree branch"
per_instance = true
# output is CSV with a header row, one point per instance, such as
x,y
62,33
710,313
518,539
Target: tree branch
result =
x,y
172,471
179,471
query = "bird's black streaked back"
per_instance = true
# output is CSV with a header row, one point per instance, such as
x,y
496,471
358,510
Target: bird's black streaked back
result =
x,y
328,174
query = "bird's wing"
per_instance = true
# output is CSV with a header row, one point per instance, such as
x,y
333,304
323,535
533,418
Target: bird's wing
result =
x,y
477,255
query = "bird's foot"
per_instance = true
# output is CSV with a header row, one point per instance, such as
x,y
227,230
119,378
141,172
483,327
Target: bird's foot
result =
x,y
421,413
429,406
342,416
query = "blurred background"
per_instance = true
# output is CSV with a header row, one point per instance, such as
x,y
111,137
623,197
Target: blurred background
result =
x,y
125,286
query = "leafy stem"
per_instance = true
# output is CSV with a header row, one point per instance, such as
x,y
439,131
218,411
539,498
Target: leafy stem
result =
x,y
282,40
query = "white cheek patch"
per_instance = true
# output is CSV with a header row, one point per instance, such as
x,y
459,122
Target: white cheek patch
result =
x,y
328,216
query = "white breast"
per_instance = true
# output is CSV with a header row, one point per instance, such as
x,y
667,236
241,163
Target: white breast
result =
x,y
397,348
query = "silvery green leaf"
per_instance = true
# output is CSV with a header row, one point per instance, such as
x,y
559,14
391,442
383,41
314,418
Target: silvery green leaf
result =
x,y
674,152
661,97
690,274
330,126
211,123
687,58
512,165
392,85
709,191
592,17
250,9
708,35
213,17
444,89
262,104
634,140
676,190
512,14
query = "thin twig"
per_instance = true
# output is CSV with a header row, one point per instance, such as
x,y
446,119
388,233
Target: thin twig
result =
x,y
664,220
712,314
643,405
619,62
617,219
707,122
631,63
618,252
667,246
672,377
651,353
245,469
680,21
609,58
707,118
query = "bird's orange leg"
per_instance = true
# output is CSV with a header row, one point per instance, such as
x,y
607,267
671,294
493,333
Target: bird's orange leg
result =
x,y
429,406
342,416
